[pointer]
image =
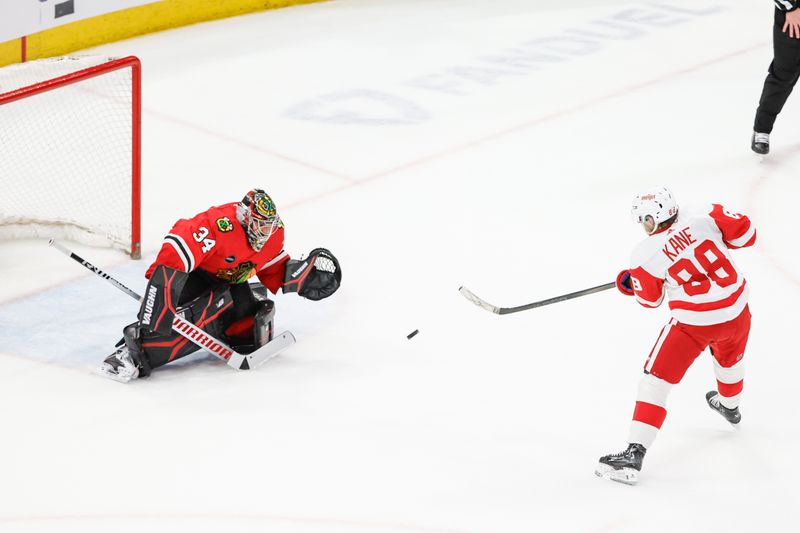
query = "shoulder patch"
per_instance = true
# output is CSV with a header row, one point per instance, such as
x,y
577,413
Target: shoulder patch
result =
x,y
224,224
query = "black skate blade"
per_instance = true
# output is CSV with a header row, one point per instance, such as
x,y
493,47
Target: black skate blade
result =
x,y
628,476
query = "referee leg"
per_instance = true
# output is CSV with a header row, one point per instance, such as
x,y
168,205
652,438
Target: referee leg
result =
x,y
781,78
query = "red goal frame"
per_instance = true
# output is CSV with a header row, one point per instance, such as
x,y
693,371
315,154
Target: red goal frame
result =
x,y
135,65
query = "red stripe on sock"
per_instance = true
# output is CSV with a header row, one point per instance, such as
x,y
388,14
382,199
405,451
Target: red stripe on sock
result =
x,y
730,389
648,413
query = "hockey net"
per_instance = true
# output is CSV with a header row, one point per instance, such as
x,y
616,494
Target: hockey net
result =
x,y
70,132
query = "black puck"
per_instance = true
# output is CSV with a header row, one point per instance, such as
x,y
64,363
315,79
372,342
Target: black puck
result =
x,y
412,333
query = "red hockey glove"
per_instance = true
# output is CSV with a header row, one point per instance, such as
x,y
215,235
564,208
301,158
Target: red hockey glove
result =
x,y
624,283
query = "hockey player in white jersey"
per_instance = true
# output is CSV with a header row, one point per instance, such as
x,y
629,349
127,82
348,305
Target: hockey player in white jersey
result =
x,y
685,257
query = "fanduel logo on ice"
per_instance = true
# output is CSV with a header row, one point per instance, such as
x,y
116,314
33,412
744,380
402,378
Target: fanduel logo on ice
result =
x,y
416,99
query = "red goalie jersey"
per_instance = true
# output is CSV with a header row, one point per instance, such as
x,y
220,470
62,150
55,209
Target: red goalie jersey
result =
x,y
691,262
216,242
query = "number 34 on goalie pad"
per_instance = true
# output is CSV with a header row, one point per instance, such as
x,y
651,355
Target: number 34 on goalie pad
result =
x,y
222,351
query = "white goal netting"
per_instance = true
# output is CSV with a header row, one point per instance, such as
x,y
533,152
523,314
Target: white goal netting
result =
x,y
67,155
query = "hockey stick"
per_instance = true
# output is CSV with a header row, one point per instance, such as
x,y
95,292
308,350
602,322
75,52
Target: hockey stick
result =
x,y
195,334
469,295
96,270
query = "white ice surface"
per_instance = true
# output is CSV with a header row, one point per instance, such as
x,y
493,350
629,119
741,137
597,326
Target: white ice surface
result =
x,y
390,132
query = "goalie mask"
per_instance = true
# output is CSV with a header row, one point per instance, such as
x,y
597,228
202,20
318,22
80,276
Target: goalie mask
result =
x,y
654,207
259,217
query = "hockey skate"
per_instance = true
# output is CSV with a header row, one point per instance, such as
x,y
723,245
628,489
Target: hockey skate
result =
x,y
760,143
731,415
623,466
119,366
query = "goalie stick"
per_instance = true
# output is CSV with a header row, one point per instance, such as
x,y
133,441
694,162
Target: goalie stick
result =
x,y
195,334
469,295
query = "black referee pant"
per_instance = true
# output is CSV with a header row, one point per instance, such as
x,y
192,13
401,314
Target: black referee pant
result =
x,y
783,73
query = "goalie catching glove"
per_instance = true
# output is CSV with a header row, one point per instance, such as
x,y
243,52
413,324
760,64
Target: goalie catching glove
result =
x,y
316,277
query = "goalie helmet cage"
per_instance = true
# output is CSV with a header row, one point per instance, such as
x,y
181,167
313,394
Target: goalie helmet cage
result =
x,y
70,151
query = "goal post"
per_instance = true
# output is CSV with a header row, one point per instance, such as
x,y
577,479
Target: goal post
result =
x,y
70,151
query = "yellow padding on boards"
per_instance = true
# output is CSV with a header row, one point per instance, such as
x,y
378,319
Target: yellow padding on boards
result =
x,y
130,23
10,52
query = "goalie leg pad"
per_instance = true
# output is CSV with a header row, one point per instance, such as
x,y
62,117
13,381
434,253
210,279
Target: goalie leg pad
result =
x,y
131,337
161,299
241,318
260,329
207,311
263,329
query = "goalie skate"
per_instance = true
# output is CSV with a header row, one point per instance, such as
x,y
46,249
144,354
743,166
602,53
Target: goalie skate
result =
x,y
119,366
624,466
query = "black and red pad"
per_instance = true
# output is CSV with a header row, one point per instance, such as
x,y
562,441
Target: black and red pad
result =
x,y
208,311
215,311
161,299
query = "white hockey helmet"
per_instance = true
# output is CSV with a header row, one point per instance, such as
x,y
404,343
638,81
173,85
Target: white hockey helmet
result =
x,y
659,204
